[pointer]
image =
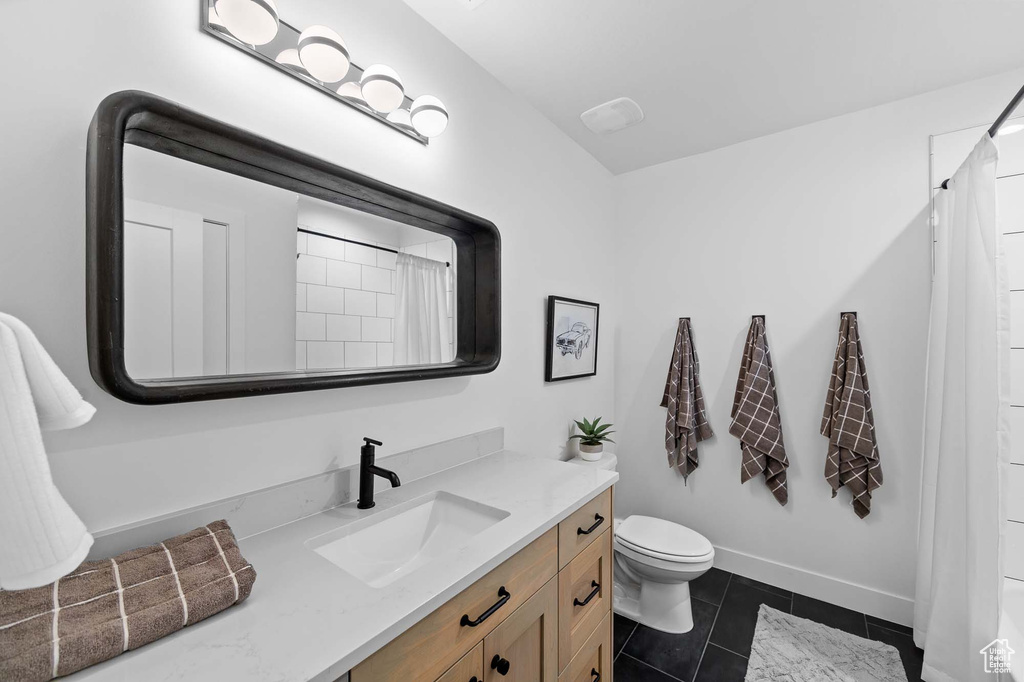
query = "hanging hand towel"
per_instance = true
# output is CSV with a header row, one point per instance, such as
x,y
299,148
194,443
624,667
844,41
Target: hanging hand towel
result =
x,y
687,422
42,538
755,415
848,423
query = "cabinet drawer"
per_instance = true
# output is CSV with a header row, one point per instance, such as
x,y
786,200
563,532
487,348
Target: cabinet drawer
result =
x,y
427,649
470,667
523,647
584,596
575,534
593,663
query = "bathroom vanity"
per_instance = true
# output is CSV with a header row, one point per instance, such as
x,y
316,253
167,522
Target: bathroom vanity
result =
x,y
544,614
497,568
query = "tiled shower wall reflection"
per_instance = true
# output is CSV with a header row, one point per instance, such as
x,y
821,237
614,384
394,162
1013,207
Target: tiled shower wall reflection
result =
x,y
345,301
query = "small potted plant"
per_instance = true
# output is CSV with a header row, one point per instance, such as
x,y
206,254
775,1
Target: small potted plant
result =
x,y
592,438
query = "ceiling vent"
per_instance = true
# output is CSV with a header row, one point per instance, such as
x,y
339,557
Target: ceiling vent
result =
x,y
612,116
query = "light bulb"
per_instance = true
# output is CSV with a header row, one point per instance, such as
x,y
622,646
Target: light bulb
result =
x,y
324,54
252,21
400,117
290,58
351,92
429,116
1011,129
382,88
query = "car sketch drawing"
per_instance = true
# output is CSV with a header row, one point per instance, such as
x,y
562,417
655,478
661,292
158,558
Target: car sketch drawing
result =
x,y
574,341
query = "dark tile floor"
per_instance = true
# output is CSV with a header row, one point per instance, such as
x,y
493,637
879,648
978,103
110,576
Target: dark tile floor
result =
x,y
724,615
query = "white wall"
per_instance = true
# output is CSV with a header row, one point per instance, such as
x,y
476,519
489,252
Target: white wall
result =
x,y
499,159
799,226
269,214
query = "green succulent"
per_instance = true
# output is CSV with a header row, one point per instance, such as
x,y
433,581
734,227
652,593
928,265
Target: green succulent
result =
x,y
591,433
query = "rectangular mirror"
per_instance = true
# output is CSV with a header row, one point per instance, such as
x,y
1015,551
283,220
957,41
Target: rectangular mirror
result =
x,y
223,265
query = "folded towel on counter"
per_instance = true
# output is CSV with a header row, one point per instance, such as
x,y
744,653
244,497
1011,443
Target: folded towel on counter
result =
x,y
848,422
687,422
42,538
108,607
755,415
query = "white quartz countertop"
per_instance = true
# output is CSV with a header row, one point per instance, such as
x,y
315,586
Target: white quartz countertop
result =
x,y
307,619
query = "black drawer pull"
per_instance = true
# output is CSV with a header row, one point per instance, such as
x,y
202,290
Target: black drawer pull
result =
x,y
598,520
500,664
473,679
593,593
593,671
505,596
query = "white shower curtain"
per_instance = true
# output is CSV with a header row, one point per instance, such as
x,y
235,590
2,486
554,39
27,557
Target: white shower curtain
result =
x,y
966,435
422,327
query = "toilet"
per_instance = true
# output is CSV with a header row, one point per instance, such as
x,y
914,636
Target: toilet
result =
x,y
655,560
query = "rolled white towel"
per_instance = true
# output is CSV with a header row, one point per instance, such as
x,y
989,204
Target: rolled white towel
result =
x,y
41,538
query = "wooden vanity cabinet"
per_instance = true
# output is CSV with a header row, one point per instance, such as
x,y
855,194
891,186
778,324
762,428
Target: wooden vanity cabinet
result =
x,y
525,621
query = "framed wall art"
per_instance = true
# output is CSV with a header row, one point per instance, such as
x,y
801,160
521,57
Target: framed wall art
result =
x,y
571,339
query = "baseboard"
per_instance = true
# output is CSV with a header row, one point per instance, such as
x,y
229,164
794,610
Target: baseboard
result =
x,y
873,602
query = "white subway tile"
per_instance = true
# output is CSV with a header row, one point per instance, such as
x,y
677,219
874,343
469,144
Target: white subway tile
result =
x,y
1015,501
325,299
1014,246
310,327
387,260
1017,319
364,255
311,269
325,355
342,274
376,279
300,242
325,247
300,355
385,305
359,354
1017,435
1016,376
386,357
440,250
343,328
300,296
1013,563
376,329
362,303
1011,204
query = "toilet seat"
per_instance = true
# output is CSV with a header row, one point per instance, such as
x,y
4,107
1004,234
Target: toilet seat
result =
x,y
664,540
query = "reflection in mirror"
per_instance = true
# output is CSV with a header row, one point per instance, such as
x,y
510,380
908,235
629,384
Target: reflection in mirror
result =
x,y
224,275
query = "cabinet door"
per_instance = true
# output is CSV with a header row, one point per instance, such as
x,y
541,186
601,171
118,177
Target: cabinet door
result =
x,y
524,648
584,596
593,663
470,667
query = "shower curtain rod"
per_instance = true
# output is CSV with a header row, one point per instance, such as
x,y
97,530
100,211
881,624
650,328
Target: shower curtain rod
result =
x,y
353,241
1003,117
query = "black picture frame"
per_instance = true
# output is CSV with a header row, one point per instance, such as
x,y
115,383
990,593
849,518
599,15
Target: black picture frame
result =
x,y
148,121
552,334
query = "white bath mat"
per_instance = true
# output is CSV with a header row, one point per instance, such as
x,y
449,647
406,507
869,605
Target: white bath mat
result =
x,y
791,649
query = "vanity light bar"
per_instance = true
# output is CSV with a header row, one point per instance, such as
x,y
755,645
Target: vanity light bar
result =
x,y
319,53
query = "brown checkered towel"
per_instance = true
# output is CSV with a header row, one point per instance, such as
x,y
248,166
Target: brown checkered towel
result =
x,y
687,422
755,415
105,608
848,423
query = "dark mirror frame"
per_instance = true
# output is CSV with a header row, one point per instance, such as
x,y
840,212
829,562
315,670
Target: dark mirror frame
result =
x,y
151,122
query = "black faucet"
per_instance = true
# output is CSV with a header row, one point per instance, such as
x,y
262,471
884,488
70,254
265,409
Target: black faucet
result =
x,y
367,470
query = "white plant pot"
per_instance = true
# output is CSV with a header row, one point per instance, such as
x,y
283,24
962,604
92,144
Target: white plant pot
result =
x,y
591,453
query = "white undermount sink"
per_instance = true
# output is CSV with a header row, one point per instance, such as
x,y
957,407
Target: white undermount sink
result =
x,y
386,546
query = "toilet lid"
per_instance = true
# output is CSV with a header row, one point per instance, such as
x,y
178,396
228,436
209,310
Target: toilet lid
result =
x,y
663,537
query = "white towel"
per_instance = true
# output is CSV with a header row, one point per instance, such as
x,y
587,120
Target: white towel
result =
x,y
41,538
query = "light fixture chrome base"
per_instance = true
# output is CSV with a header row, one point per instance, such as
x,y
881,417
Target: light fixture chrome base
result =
x,y
288,39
